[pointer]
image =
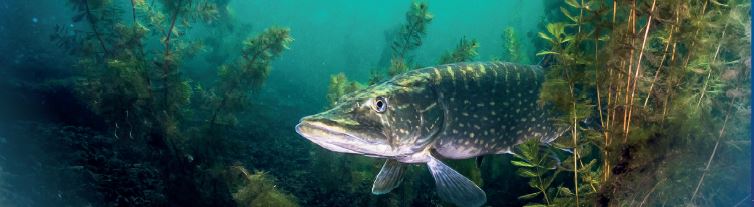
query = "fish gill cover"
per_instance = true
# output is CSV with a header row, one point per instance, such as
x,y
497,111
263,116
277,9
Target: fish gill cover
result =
x,y
194,102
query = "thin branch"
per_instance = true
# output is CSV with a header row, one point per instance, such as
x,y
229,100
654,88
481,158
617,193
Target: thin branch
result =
x,y
638,69
714,58
94,27
711,157
165,65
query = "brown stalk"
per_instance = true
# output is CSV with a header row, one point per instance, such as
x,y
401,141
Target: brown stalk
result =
x,y
672,63
632,29
599,99
659,68
638,69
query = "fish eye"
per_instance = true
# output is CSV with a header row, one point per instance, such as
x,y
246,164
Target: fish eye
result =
x,y
380,104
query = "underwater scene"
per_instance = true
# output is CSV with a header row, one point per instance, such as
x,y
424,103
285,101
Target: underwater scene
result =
x,y
375,103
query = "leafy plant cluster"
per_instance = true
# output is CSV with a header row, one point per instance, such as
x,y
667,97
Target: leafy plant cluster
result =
x,y
408,38
131,76
465,51
648,84
512,48
410,34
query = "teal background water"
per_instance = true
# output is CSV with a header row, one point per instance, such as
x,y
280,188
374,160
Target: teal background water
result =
x,y
46,126
350,37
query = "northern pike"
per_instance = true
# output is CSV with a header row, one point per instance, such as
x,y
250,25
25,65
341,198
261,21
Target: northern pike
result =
x,y
453,111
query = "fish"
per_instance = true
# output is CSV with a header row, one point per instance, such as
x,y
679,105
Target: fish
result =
x,y
452,111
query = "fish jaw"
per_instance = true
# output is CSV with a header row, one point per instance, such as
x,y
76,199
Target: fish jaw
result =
x,y
337,139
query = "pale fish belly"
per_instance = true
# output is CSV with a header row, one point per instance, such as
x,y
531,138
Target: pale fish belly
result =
x,y
489,108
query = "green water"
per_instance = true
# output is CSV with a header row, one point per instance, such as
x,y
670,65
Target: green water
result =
x,y
101,104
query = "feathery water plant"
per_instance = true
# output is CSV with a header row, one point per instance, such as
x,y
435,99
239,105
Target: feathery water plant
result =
x,y
465,51
647,76
511,47
143,96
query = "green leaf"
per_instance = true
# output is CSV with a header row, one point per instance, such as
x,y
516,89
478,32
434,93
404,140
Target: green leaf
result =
x,y
523,172
535,205
568,14
522,164
568,38
529,196
546,37
573,3
545,52
565,191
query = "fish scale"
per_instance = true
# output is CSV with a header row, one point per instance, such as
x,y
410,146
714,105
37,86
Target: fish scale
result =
x,y
454,111
492,106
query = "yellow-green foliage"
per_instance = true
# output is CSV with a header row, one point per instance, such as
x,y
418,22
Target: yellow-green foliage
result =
x,y
339,86
465,51
397,66
663,81
257,189
536,166
511,47
410,35
142,94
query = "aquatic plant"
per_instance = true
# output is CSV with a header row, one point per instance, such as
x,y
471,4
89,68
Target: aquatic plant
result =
x,y
408,38
537,166
397,66
645,87
257,189
247,75
340,86
465,51
410,35
511,47
149,105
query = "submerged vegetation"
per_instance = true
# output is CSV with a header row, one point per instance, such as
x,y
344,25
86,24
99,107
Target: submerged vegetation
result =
x,y
656,96
512,48
176,126
644,86
464,52
656,79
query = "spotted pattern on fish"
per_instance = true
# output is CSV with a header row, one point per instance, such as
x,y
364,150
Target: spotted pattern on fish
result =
x,y
456,111
489,108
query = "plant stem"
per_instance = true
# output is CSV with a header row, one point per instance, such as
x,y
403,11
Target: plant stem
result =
x,y
165,64
712,155
659,68
714,58
638,69
632,31
235,85
94,27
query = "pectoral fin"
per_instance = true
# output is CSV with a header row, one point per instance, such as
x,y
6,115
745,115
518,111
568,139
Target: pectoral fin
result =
x,y
454,187
389,178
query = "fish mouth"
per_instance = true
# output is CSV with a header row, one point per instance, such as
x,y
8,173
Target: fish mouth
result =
x,y
326,136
